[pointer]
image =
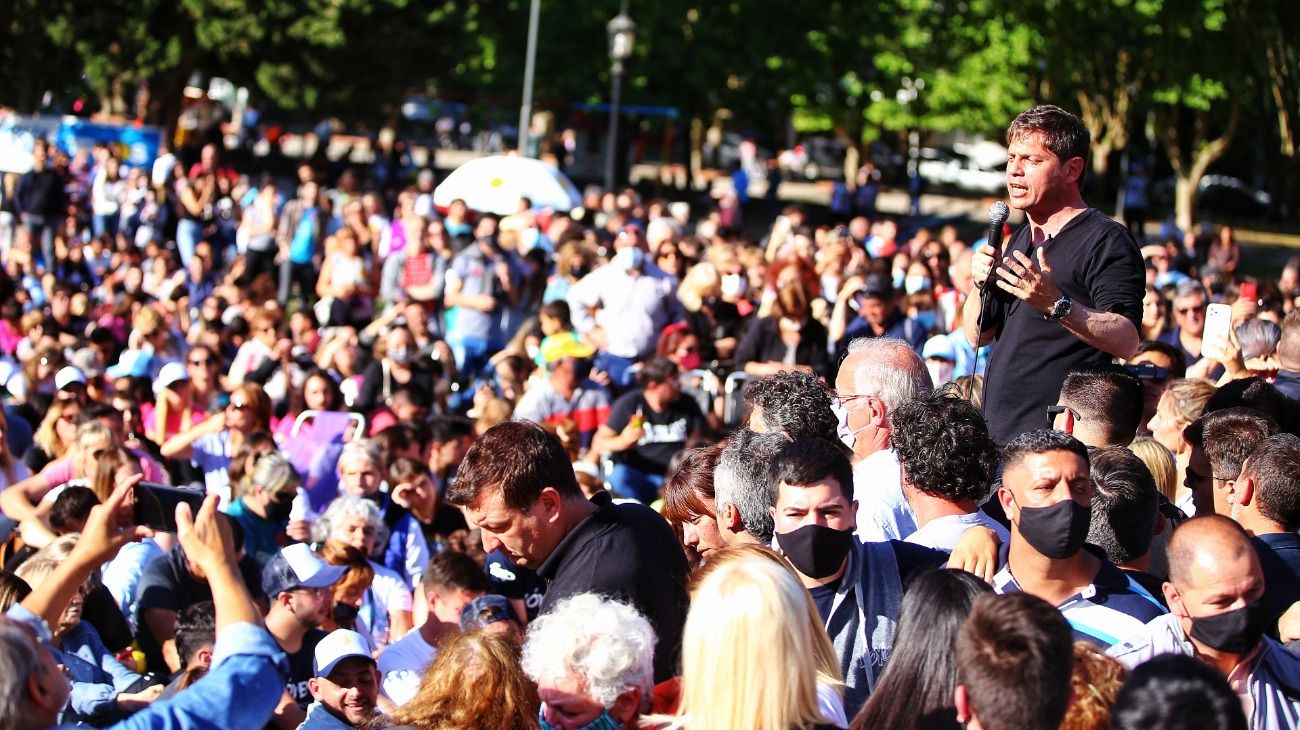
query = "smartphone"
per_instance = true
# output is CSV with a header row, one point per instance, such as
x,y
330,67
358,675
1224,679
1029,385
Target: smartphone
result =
x,y
1249,291
1218,320
155,504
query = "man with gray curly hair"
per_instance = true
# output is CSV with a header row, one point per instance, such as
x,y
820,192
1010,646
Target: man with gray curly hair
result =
x,y
593,661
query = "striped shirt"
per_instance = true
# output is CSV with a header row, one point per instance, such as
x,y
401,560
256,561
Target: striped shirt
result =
x,y
1109,610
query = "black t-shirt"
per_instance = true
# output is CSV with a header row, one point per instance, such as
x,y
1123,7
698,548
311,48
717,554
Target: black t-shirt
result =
x,y
168,584
665,433
512,581
301,667
1096,263
824,597
625,551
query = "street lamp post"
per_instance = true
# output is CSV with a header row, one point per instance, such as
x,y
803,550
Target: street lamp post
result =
x,y
622,34
530,61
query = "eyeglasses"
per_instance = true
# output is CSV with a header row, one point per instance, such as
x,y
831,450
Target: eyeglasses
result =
x,y
1189,310
204,362
667,254
844,399
1054,411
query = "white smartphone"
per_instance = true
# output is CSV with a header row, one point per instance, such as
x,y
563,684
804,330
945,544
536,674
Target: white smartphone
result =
x,y
1218,320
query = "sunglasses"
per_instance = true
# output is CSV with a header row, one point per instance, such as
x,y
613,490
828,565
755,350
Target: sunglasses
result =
x,y
1054,411
201,363
233,405
1190,310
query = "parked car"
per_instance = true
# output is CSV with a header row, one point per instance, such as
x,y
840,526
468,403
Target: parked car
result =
x,y
948,168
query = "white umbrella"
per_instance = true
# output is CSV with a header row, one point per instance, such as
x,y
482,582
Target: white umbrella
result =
x,y
495,184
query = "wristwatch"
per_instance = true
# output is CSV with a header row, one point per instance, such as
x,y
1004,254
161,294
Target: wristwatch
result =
x,y
1060,309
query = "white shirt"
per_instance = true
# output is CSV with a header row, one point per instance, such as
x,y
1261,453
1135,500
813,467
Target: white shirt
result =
x,y
387,594
632,310
942,533
883,511
402,666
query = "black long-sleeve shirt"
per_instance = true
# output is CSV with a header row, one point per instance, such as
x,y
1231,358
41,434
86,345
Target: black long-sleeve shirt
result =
x,y
39,193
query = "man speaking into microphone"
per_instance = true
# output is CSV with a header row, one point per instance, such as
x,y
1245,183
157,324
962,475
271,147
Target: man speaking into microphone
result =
x,y
1064,293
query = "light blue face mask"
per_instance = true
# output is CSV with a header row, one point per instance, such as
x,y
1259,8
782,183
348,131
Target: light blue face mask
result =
x,y
604,722
925,318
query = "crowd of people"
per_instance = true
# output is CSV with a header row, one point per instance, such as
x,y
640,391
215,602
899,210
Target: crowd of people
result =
x,y
629,466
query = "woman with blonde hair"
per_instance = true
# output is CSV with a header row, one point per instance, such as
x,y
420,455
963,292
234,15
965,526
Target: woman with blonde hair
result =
x,y
749,651
1159,462
475,681
1183,401
265,500
21,501
173,410
54,436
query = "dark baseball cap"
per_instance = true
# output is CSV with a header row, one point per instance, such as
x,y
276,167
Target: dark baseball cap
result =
x,y
486,610
296,566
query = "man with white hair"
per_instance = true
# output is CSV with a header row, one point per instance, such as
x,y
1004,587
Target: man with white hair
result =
x,y
877,376
593,661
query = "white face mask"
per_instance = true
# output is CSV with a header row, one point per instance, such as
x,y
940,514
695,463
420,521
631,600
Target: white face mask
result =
x,y
940,371
628,259
733,285
847,436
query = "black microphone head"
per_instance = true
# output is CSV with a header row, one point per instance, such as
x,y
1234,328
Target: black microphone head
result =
x,y
998,213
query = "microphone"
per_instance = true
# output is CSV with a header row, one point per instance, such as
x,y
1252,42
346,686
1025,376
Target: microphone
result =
x,y
998,214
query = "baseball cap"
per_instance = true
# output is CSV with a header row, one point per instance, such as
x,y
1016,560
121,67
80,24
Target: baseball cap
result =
x,y
340,644
940,347
558,347
296,566
485,610
131,364
878,286
87,362
68,376
171,373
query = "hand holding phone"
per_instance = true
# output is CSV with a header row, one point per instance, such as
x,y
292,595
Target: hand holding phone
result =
x,y
155,505
1218,323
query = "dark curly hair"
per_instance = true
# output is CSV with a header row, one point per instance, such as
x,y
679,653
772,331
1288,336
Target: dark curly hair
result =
x,y
795,403
944,447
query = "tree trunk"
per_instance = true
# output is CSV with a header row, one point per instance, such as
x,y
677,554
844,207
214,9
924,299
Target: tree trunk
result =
x,y
695,163
852,139
1190,165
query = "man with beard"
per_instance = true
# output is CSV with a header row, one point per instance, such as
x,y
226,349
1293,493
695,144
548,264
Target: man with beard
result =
x,y
1047,495
297,582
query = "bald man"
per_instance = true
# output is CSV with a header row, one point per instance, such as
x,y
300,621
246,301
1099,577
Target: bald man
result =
x,y
1215,594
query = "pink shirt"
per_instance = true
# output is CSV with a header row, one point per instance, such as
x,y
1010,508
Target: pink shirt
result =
x,y
60,471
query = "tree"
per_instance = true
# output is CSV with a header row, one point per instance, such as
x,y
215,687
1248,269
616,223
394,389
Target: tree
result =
x,y
1198,84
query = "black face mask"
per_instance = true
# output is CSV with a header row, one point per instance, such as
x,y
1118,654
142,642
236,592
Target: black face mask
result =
x,y
1059,531
345,614
277,510
815,550
1234,632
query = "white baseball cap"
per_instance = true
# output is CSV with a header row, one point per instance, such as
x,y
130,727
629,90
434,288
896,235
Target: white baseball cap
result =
x,y
171,373
339,645
68,376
